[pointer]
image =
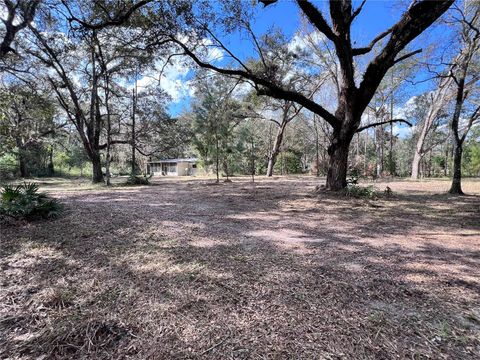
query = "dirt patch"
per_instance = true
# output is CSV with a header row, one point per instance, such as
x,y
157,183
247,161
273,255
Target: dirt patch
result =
x,y
244,271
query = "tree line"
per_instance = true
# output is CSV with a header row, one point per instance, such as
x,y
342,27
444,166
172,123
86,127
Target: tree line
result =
x,y
73,89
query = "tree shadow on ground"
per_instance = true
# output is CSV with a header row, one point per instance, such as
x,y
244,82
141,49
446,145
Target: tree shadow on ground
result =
x,y
193,271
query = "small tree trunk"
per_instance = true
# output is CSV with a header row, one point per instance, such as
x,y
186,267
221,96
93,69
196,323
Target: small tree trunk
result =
x,y
253,159
107,167
50,166
456,187
379,150
430,163
416,165
391,159
217,159
317,147
22,161
365,154
97,174
275,150
445,167
22,164
108,156
134,110
225,168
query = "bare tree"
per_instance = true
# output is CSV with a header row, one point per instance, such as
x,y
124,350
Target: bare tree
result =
x,y
461,71
437,101
289,110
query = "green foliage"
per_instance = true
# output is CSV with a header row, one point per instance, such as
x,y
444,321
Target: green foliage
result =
x,y
8,166
73,161
475,160
25,201
35,156
138,180
361,192
289,162
217,115
27,127
391,165
471,154
369,192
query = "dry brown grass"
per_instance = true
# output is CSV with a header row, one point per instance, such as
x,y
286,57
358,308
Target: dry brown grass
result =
x,y
266,270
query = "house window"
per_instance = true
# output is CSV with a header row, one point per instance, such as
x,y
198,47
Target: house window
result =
x,y
194,166
172,168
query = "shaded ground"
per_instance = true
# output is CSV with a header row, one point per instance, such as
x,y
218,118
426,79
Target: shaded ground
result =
x,y
185,269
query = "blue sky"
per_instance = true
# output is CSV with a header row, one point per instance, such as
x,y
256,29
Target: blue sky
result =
x,y
375,17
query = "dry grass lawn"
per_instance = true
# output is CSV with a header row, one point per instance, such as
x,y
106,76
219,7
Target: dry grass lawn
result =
x,y
184,269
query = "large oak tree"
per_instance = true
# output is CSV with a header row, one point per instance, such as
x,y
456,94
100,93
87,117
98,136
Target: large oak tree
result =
x,y
353,98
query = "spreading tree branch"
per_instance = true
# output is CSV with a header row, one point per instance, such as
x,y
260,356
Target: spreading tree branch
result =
x,y
367,49
360,129
406,56
267,87
357,11
116,20
316,18
413,22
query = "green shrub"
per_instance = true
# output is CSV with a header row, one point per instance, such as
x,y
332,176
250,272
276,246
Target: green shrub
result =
x,y
388,192
24,201
368,192
361,192
138,180
8,166
289,162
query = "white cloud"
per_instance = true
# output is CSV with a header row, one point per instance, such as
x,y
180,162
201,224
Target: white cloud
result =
x,y
242,90
207,50
211,52
403,130
305,41
172,78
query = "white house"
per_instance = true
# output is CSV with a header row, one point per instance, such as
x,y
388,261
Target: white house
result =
x,y
173,167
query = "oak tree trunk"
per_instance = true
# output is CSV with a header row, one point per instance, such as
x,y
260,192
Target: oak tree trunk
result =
x,y
338,163
22,164
97,174
456,187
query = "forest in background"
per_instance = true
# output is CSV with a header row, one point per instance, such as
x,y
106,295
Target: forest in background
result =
x,y
82,91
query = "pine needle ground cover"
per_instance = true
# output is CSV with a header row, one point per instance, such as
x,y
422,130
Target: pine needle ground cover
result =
x,y
184,270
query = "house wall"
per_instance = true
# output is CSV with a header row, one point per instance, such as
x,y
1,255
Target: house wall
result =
x,y
182,168
155,169
170,169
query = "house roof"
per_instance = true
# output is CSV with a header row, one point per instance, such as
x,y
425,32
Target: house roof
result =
x,y
192,159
